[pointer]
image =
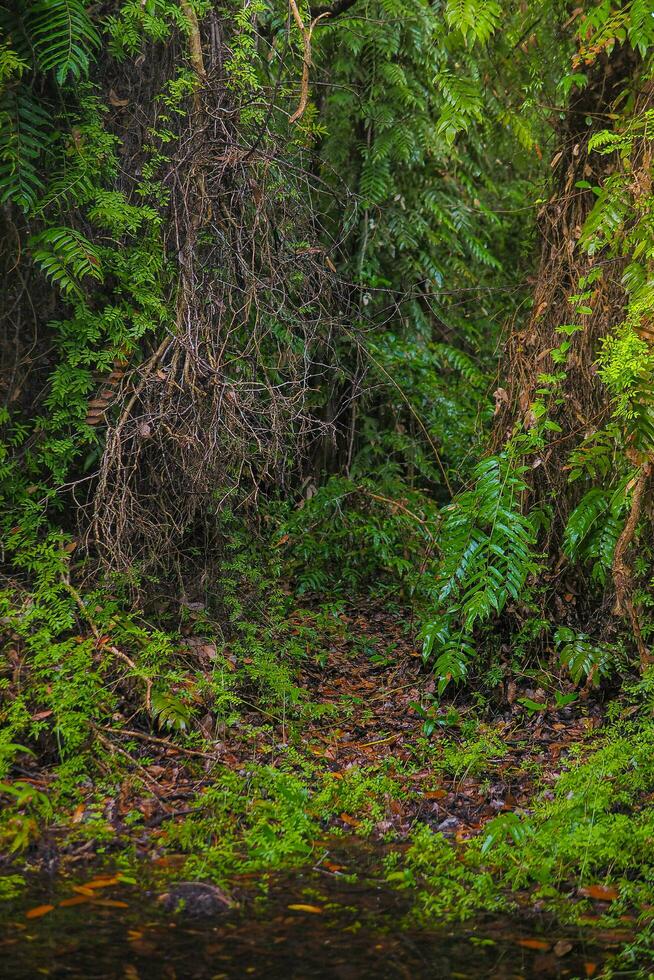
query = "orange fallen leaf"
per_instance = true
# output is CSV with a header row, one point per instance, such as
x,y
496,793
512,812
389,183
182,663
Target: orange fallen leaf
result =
x,y
436,794
591,969
110,903
533,943
38,911
352,821
76,900
170,861
331,866
101,882
299,907
613,936
601,893
83,890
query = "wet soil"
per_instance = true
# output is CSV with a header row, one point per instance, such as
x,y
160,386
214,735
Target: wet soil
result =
x,y
310,924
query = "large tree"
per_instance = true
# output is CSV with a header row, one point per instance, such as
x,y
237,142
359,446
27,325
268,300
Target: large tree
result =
x,y
546,534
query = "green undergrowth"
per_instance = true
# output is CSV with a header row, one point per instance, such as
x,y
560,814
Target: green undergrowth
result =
x,y
268,818
587,831
74,662
587,837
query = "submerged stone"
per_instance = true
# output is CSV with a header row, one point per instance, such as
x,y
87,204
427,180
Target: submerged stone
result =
x,y
195,899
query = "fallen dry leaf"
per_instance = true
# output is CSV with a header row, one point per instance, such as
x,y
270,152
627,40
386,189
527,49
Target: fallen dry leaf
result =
x,y
331,866
601,893
38,911
75,900
533,943
299,907
351,821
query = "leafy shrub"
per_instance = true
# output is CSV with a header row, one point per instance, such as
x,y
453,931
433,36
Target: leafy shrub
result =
x,y
487,555
350,537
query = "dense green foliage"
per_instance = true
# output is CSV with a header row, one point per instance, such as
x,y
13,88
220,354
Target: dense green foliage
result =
x,y
397,401
276,334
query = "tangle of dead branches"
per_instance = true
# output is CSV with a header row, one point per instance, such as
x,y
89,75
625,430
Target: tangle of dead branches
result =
x,y
224,403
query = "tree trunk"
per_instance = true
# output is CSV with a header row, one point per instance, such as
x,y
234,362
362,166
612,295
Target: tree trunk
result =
x,y
583,402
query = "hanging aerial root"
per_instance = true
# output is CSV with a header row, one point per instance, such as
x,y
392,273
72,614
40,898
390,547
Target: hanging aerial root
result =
x,y
226,399
195,40
306,57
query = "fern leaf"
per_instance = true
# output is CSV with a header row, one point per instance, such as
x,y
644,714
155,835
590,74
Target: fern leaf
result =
x,y
66,257
641,28
581,656
169,711
503,826
25,134
584,519
476,19
63,37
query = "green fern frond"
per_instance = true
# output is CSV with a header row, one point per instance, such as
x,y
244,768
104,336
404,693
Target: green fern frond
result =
x,y
66,257
63,37
488,554
581,656
449,648
463,103
641,26
594,527
25,134
476,19
584,519
506,825
169,711
11,64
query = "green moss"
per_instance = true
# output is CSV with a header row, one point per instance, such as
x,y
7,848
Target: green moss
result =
x,y
11,887
269,818
447,886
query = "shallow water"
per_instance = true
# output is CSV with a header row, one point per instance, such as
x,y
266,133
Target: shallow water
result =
x,y
354,931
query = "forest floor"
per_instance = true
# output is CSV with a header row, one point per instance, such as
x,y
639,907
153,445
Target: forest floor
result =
x,y
370,708
370,775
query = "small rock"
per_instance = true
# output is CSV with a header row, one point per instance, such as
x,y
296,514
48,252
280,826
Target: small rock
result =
x,y
449,825
195,899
